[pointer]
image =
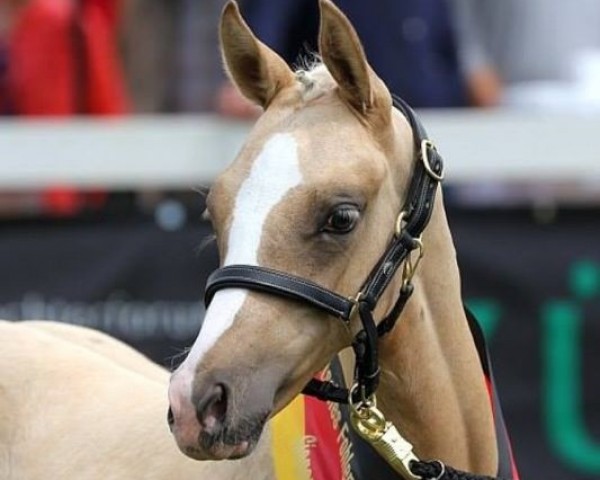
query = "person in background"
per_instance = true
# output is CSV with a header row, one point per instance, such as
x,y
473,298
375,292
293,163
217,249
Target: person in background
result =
x,y
59,58
5,101
529,52
199,67
409,43
148,45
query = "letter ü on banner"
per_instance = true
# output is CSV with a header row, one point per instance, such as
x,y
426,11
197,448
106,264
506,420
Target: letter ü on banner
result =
x,y
563,323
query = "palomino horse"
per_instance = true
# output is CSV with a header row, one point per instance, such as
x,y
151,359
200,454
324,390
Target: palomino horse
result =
x,y
315,192
76,404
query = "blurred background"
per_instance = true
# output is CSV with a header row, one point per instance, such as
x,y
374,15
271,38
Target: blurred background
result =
x,y
116,117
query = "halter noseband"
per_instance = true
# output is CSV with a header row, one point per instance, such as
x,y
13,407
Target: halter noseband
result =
x,y
414,217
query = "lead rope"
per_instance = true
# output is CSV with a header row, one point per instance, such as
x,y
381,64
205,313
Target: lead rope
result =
x,y
436,470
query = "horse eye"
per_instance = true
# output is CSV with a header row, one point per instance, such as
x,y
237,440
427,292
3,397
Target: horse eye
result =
x,y
342,220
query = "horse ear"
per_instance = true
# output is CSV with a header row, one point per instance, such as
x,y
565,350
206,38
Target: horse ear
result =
x,y
344,57
257,71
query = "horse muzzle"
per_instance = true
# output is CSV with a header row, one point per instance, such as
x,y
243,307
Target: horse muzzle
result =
x,y
216,418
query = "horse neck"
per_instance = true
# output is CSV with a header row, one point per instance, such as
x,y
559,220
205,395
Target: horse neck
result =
x,y
432,386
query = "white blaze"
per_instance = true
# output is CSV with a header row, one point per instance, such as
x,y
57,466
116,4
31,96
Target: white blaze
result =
x,y
273,174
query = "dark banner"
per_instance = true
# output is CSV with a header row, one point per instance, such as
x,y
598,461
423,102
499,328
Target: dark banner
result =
x,y
535,286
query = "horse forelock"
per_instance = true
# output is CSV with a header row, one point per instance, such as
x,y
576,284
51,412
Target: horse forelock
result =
x,y
314,79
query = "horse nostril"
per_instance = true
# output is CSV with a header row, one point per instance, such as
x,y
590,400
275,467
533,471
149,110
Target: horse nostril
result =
x,y
170,419
212,408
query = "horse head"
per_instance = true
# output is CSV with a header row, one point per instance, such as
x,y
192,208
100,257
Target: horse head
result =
x,y
323,169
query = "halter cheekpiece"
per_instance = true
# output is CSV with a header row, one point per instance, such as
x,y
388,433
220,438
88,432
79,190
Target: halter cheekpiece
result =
x,y
405,247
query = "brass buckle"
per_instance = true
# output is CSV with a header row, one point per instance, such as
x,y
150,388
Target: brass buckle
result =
x,y
354,300
425,145
399,224
410,267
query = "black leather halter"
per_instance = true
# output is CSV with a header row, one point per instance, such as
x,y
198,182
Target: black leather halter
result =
x,y
412,220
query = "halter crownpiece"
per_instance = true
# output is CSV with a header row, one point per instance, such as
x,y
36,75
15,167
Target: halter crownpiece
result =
x,y
406,238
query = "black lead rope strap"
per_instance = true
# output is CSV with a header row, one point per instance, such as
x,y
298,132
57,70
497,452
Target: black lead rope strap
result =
x,y
436,470
416,212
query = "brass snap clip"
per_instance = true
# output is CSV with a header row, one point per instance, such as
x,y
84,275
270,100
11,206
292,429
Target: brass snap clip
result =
x,y
370,423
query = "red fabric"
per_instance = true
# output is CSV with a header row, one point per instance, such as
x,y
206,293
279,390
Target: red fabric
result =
x,y
62,201
110,10
42,62
513,465
325,453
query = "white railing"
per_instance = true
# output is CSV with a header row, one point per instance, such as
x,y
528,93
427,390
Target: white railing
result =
x,y
186,151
